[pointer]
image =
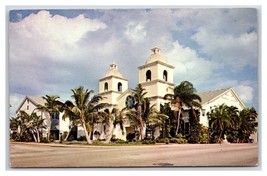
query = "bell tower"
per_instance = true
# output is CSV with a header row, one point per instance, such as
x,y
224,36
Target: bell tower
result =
x,y
156,77
112,85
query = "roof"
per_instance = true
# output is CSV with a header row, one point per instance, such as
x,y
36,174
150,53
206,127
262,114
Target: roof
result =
x,y
210,95
113,71
35,100
155,56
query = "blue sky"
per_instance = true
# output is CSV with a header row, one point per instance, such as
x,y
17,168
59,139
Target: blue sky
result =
x,y
53,51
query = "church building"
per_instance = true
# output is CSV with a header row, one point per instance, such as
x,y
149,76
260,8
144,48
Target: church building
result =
x,y
156,77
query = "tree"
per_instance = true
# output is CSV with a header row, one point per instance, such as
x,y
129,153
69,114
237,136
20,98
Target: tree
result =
x,y
110,121
51,106
67,113
221,120
86,109
184,94
167,129
137,115
248,123
32,123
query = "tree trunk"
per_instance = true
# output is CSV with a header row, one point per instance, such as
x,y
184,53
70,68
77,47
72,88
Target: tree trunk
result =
x,y
109,131
178,120
38,135
34,137
65,139
219,140
141,125
49,128
143,131
86,133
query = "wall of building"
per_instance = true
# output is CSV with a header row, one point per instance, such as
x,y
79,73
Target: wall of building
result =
x,y
112,84
227,98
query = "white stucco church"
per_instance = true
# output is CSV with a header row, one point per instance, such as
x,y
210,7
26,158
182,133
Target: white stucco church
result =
x,y
156,77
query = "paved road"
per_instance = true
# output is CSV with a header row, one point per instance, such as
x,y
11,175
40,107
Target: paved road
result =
x,y
25,155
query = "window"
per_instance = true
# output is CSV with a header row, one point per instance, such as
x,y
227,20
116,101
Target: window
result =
x,y
148,75
119,87
106,87
165,75
27,107
55,115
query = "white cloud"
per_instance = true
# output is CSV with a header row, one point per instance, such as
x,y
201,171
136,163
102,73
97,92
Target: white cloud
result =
x,y
236,52
246,93
52,54
135,32
49,36
14,101
190,66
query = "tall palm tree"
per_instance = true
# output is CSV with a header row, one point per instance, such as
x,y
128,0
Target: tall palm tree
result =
x,y
51,106
110,121
137,116
68,114
184,94
86,109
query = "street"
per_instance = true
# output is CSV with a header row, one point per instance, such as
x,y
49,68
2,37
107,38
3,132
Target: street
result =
x,y
171,155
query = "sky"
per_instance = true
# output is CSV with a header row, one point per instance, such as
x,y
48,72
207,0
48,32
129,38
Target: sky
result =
x,y
53,51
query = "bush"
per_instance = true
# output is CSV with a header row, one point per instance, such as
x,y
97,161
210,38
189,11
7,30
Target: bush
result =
x,y
178,140
43,139
204,139
70,138
148,142
130,137
97,142
81,138
120,141
163,140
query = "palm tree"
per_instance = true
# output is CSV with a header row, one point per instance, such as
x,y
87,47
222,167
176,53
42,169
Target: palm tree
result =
x,y
51,106
248,118
67,113
221,120
86,109
33,123
137,115
167,129
184,94
110,121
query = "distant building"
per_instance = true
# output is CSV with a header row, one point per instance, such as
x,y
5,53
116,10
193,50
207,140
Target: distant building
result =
x,y
29,104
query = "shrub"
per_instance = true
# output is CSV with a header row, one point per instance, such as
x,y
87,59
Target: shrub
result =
x,y
148,142
120,141
130,137
70,138
163,140
43,139
81,138
178,140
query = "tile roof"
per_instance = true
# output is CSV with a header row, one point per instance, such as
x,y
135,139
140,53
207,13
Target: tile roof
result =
x,y
210,95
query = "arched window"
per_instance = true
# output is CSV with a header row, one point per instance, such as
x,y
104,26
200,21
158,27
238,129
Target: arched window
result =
x,y
106,87
165,75
148,75
119,87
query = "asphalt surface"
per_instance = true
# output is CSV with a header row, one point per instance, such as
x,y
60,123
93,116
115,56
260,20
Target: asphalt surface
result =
x,y
172,155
